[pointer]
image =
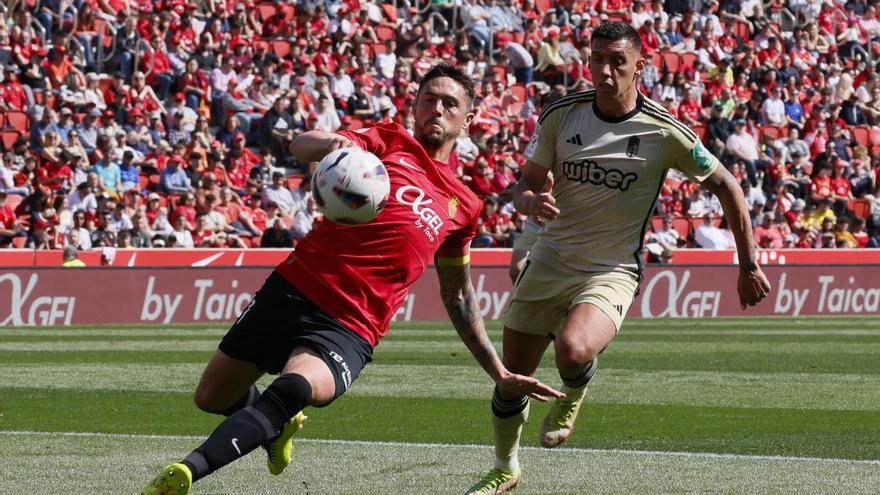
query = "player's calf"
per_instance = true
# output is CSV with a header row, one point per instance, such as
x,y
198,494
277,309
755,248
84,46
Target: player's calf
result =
x,y
252,426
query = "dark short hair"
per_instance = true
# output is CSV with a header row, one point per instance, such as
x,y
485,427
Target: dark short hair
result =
x,y
618,30
452,72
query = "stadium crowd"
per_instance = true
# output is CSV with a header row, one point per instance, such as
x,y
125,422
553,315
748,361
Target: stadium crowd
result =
x,y
165,123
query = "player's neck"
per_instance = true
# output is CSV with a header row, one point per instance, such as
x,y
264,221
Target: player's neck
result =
x,y
618,106
441,153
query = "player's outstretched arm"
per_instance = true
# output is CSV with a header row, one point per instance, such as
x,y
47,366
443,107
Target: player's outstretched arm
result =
x,y
312,146
460,301
532,197
752,285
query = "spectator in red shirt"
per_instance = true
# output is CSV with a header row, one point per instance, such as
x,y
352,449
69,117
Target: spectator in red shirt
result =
x,y
690,111
768,234
494,228
821,184
481,179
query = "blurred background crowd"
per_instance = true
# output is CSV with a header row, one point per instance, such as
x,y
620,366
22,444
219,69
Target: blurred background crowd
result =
x,y
165,123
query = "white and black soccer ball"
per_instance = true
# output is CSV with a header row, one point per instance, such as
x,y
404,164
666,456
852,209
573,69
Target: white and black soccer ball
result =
x,y
351,186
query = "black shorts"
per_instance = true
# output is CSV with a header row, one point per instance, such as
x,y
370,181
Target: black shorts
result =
x,y
279,319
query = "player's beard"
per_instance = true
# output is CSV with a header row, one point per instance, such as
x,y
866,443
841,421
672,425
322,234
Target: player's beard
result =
x,y
435,139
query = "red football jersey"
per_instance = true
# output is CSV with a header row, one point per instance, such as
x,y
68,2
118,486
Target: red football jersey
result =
x,y
360,274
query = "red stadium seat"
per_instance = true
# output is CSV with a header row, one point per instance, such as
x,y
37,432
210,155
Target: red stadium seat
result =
x,y
657,58
390,13
520,91
281,48
293,181
672,61
742,29
519,37
682,225
266,10
262,44
500,72
657,223
13,200
377,48
861,134
19,242
874,135
543,5
384,33
9,136
689,58
860,207
701,131
18,120
772,131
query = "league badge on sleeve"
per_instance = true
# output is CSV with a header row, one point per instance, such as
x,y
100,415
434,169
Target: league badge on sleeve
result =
x,y
702,156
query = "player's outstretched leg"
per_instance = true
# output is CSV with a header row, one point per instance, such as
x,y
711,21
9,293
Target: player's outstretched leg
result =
x,y
279,450
245,430
560,419
508,417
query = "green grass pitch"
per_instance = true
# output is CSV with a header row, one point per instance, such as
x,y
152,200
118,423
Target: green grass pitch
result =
x,y
678,406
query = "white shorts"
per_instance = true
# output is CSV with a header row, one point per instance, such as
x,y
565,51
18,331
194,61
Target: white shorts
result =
x,y
542,297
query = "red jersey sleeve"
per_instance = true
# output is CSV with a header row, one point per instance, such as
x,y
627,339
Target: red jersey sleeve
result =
x,y
371,139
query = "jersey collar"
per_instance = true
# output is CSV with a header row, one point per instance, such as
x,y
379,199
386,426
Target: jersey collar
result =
x,y
622,118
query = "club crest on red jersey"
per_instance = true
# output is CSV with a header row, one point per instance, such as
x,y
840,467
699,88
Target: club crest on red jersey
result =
x,y
453,206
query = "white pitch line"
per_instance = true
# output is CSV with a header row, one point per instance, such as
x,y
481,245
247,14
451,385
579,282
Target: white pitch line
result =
x,y
369,443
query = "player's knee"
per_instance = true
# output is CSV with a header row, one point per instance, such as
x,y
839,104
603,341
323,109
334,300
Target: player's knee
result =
x,y
207,400
575,354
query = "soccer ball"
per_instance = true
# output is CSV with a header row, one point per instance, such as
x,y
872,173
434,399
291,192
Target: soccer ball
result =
x,y
351,186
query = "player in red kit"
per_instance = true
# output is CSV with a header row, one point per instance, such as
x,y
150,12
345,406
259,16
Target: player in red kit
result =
x,y
319,315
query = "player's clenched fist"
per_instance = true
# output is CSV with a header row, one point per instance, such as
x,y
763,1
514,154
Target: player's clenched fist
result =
x,y
542,208
752,286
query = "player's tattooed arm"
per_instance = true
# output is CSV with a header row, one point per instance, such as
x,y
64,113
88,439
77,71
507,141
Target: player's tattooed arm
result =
x,y
460,300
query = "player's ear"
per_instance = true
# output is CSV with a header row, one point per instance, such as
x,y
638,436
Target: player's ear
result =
x,y
468,118
640,67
